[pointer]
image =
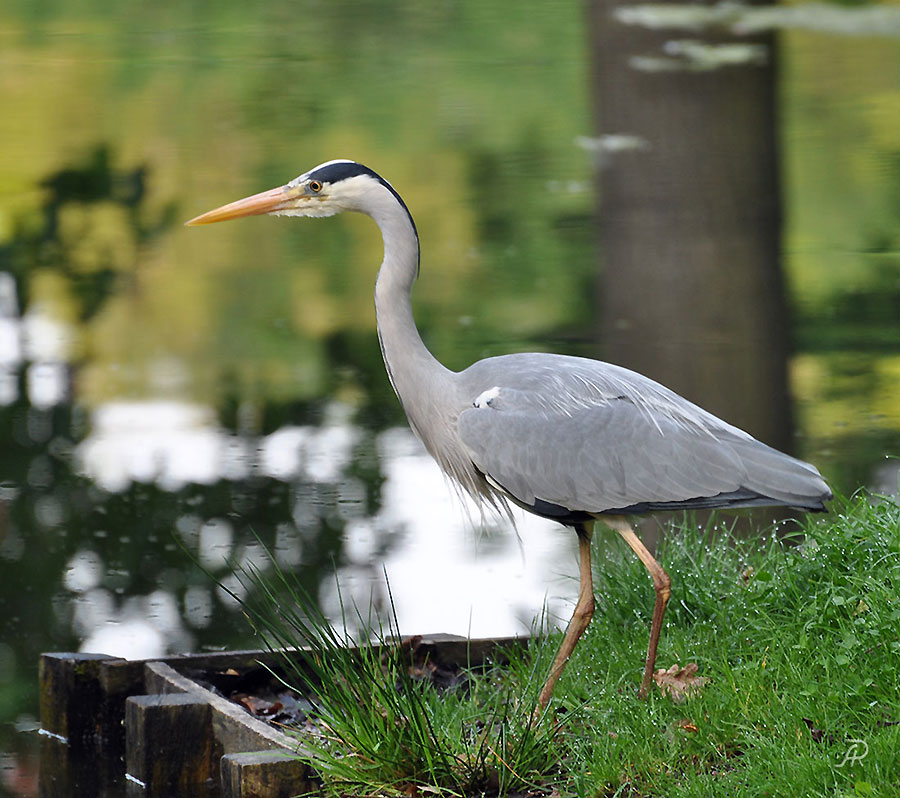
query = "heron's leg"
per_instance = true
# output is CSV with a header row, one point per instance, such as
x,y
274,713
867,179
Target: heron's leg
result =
x,y
581,617
661,584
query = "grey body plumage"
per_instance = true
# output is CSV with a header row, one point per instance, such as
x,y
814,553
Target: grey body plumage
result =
x,y
567,438
591,437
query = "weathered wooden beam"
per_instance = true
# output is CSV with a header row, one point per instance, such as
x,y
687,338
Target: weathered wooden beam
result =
x,y
264,774
168,745
73,702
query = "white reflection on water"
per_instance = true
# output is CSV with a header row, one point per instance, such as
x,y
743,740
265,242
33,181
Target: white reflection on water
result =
x,y
317,453
47,344
84,571
39,338
167,442
198,606
745,19
141,627
47,384
174,443
441,579
214,549
10,340
445,576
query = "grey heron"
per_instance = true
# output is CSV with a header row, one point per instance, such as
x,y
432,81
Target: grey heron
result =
x,y
567,438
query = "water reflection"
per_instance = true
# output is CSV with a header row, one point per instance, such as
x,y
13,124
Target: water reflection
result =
x,y
169,443
423,536
452,570
38,339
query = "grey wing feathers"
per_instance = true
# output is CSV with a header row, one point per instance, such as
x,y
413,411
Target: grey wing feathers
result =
x,y
590,437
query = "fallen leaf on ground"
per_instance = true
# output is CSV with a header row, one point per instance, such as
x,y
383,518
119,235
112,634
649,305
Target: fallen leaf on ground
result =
x,y
680,683
257,705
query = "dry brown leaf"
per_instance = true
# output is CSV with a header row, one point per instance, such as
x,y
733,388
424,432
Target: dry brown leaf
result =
x,y
257,705
680,683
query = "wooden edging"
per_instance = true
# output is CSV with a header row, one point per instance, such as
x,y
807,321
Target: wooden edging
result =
x,y
174,735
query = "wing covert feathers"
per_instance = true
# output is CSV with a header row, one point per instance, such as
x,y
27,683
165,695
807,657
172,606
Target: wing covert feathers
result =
x,y
594,440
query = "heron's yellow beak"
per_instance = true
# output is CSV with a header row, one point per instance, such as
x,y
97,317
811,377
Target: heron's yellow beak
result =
x,y
271,201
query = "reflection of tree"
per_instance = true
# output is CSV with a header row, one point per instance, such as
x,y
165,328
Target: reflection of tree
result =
x,y
865,317
851,373
63,244
532,236
690,216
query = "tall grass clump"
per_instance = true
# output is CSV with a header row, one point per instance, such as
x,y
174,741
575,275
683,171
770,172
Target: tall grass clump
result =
x,y
377,728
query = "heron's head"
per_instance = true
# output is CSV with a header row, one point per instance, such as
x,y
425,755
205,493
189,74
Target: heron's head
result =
x,y
328,189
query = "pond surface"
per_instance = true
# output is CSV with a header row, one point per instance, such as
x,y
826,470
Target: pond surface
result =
x,y
173,399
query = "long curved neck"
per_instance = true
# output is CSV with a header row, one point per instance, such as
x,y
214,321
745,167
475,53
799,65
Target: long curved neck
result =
x,y
418,378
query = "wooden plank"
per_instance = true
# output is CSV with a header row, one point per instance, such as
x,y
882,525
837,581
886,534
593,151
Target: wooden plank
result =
x,y
264,774
451,648
168,745
73,703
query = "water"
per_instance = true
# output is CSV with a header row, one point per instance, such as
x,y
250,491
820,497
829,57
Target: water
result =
x,y
169,394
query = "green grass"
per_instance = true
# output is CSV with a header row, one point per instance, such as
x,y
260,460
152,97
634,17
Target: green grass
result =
x,y
800,643
799,638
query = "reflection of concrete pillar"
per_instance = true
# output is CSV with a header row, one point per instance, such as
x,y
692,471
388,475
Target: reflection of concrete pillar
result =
x,y
690,291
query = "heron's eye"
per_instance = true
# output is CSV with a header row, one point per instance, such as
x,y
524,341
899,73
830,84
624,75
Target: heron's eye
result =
x,y
314,186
